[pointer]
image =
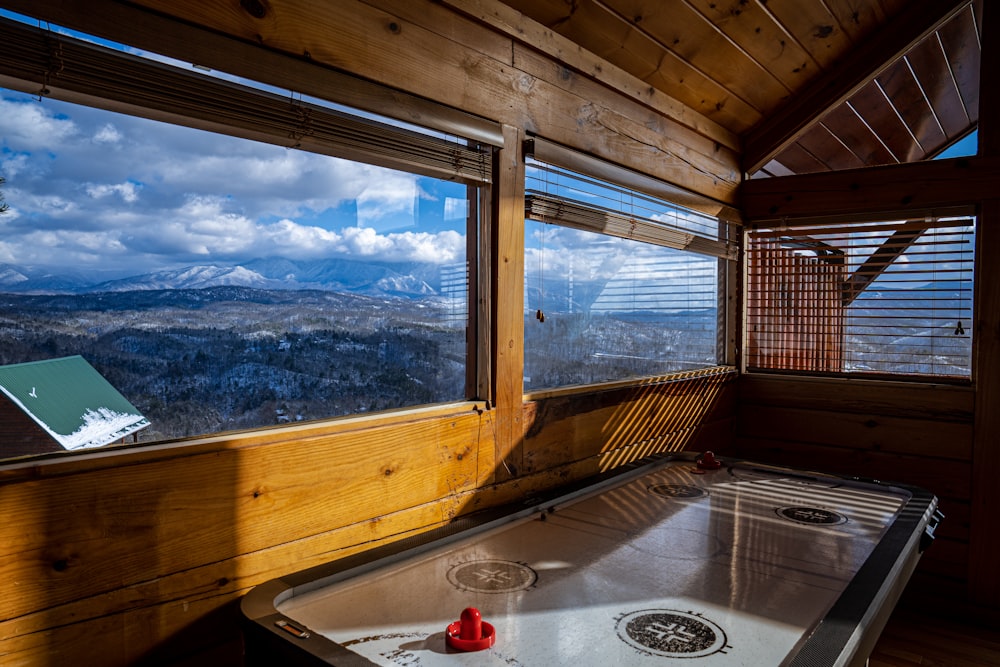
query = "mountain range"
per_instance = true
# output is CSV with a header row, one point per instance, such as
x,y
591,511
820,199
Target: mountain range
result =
x,y
276,273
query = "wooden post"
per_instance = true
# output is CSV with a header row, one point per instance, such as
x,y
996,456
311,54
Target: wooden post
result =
x,y
508,300
984,543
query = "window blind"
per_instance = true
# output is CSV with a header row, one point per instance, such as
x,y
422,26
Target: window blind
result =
x,y
558,196
44,63
882,298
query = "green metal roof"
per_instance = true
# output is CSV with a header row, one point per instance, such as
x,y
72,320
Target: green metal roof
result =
x,y
71,401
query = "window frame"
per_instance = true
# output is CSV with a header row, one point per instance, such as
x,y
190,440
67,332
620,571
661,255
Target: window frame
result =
x,y
467,154
903,220
726,249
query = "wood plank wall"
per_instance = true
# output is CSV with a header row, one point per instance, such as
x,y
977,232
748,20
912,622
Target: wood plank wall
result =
x,y
141,557
891,431
943,438
138,558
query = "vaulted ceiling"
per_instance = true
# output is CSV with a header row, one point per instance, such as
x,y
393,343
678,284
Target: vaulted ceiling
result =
x,y
808,85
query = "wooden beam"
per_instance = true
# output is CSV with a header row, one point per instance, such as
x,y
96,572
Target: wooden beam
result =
x,y
417,53
550,43
984,575
989,92
938,188
895,245
984,544
189,43
861,65
508,306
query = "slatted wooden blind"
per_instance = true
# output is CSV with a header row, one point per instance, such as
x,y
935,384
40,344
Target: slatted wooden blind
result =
x,y
886,298
48,64
562,197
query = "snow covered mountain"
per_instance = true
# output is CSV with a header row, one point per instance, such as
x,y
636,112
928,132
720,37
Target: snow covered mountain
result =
x,y
276,273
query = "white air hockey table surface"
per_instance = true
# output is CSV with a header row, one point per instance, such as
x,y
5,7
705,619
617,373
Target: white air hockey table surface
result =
x,y
663,564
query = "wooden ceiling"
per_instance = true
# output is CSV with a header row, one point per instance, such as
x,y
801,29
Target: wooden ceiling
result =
x,y
808,85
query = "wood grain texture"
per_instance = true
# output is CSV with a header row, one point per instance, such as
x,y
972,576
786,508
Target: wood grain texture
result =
x,y
129,524
917,434
989,131
918,635
918,189
508,306
984,576
857,66
560,49
145,555
464,65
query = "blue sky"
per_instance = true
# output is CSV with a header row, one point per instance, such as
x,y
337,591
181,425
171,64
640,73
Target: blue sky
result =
x,y
97,190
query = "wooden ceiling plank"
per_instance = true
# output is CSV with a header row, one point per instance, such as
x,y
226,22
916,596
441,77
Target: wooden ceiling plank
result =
x,y
892,7
827,148
932,71
506,18
590,27
680,29
814,28
600,32
961,44
904,93
873,108
762,38
707,98
850,128
861,64
547,12
707,91
857,19
798,160
775,168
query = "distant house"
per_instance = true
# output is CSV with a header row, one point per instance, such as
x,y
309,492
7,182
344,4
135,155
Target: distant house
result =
x,y
61,404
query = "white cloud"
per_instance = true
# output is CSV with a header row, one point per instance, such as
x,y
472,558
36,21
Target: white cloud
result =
x,y
108,134
127,191
28,126
92,189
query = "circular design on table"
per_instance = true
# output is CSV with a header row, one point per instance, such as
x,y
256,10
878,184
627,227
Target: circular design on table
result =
x,y
672,634
815,516
683,491
492,576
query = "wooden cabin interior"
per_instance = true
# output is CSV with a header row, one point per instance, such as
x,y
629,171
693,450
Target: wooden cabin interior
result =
x,y
764,114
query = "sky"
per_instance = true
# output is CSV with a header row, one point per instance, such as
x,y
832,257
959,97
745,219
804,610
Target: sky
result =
x,y
114,195
101,191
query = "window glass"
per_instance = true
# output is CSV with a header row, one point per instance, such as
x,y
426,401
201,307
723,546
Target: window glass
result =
x,y
881,298
601,305
217,283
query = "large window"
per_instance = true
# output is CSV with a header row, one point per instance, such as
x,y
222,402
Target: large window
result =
x,y
217,283
619,284
885,298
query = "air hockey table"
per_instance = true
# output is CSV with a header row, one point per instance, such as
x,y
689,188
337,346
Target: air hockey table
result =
x,y
679,560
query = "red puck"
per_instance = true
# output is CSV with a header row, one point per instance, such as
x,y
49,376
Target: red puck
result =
x,y
470,632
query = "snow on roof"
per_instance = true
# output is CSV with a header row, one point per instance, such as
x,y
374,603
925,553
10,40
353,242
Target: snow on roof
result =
x,y
71,401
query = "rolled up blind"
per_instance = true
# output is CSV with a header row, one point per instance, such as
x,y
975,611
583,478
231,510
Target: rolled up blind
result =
x,y
881,298
562,197
44,63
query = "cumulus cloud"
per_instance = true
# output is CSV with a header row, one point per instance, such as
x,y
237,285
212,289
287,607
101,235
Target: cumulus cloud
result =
x,y
91,188
29,127
108,134
127,191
